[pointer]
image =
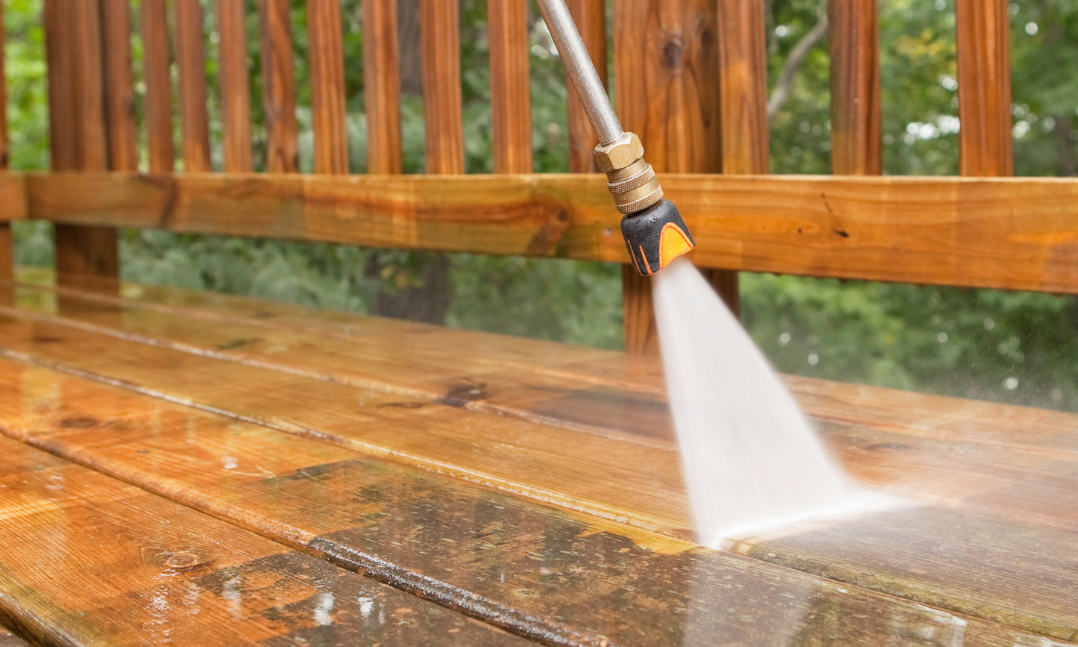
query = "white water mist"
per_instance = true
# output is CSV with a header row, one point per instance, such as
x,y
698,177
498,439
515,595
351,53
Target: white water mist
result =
x,y
749,456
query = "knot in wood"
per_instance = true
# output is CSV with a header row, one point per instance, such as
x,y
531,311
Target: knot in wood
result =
x,y
183,561
673,54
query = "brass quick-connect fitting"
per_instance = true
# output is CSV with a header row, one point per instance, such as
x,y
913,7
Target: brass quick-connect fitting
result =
x,y
630,179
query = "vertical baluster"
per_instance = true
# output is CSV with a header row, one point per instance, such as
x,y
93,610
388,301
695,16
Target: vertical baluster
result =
x,y
278,87
743,79
190,58
440,27
155,73
855,88
327,87
119,86
666,72
509,85
235,90
984,87
381,74
590,18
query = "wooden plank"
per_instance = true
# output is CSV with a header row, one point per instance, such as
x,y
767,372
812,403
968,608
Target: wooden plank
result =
x,y
119,86
327,87
12,196
278,86
1005,233
666,63
510,88
743,85
232,74
156,76
507,557
83,250
8,639
381,76
441,359
590,18
984,87
442,103
91,560
190,59
856,147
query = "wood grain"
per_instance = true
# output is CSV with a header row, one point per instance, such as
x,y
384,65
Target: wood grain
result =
x,y
82,424
8,639
666,65
457,535
156,76
327,87
743,83
510,89
442,108
855,88
235,90
992,232
984,87
381,76
91,560
190,59
590,19
12,196
119,86
278,86
79,139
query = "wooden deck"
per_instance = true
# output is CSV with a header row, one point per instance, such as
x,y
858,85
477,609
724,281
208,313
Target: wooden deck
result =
x,y
197,468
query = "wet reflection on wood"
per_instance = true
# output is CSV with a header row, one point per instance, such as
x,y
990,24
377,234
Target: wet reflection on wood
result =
x,y
8,639
90,560
539,571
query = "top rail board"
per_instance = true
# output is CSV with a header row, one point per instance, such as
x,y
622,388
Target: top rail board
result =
x,y
1019,234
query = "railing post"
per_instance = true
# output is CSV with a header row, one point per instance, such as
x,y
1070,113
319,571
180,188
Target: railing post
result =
x,y
235,88
327,87
278,87
7,249
79,136
509,85
382,94
667,77
855,88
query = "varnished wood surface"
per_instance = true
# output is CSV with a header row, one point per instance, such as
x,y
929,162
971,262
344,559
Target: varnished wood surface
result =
x,y
232,74
666,64
590,19
554,576
856,140
743,83
1018,481
120,105
984,87
510,90
382,81
278,86
992,232
191,61
155,73
327,87
12,196
90,560
8,639
439,22
5,147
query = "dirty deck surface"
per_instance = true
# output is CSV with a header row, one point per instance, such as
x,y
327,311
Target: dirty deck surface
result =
x,y
189,468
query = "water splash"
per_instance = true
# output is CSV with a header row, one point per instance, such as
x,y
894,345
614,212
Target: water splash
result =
x,y
749,456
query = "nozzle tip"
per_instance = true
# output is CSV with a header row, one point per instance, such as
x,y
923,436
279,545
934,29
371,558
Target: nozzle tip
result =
x,y
656,236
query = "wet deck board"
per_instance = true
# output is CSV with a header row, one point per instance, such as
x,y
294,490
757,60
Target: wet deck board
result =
x,y
994,468
90,560
548,573
8,639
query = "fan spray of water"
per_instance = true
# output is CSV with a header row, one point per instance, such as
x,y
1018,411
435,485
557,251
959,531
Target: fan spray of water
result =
x,y
748,454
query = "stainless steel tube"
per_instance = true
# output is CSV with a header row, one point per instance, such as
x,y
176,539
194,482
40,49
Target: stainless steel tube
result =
x,y
577,61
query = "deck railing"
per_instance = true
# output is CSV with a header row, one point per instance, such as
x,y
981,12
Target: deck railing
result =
x,y
690,79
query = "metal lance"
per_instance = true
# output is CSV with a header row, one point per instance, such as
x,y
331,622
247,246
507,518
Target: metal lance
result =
x,y
654,231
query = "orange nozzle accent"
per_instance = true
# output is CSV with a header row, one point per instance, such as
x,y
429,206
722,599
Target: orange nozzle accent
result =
x,y
672,243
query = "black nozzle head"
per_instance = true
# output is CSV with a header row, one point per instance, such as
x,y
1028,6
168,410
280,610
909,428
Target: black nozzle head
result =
x,y
656,236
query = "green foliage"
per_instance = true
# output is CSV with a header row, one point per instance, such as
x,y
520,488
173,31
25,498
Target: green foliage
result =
x,y
1014,347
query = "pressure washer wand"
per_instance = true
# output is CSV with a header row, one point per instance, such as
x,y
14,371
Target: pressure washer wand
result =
x,y
654,231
